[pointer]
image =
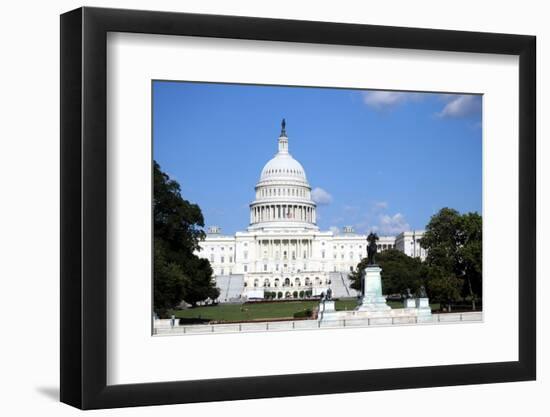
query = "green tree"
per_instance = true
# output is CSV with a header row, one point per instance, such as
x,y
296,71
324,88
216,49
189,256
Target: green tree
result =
x,y
179,275
454,252
442,287
169,279
399,272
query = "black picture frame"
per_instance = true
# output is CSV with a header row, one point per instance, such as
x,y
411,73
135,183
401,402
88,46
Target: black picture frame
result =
x,y
84,207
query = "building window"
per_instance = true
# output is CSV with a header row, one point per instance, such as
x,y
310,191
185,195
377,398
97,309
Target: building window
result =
x,y
221,271
222,259
276,267
212,258
351,269
230,259
245,254
245,268
323,254
265,267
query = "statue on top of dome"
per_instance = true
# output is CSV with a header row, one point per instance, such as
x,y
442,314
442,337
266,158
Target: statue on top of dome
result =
x,y
283,127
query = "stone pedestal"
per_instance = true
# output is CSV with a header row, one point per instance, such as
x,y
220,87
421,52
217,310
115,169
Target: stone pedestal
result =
x,y
327,309
373,300
423,303
423,310
327,306
409,303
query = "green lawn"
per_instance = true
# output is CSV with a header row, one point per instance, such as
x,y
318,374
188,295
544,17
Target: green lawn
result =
x,y
261,311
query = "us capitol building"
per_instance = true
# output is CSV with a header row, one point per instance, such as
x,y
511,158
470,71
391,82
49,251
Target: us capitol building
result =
x,y
283,250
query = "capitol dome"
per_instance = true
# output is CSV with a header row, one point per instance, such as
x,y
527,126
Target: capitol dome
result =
x,y
283,167
283,194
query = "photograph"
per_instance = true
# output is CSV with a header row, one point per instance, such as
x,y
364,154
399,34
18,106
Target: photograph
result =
x,y
289,208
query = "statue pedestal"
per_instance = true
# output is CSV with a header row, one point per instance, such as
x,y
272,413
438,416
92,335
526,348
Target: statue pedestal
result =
x,y
424,311
409,303
423,303
373,300
327,306
327,309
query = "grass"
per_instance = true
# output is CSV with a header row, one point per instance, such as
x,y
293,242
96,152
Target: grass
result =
x,y
261,311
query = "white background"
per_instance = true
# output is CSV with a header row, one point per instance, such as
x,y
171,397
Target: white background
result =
x,y
133,60
29,219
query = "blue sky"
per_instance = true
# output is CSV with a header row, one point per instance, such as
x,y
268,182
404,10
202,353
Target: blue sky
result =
x,y
376,160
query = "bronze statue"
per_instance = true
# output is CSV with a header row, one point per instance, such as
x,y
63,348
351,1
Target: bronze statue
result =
x,y
283,128
422,292
408,293
372,248
329,295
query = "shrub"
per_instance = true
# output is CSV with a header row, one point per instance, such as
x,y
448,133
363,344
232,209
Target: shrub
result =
x,y
303,314
295,294
301,294
279,295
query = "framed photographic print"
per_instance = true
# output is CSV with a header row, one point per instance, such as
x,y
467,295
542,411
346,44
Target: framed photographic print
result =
x,y
245,199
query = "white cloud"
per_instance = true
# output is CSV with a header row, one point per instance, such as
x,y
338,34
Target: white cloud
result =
x,y
388,99
461,106
380,205
392,225
321,196
335,230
